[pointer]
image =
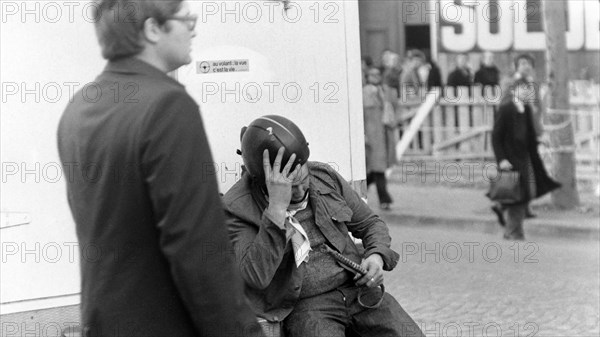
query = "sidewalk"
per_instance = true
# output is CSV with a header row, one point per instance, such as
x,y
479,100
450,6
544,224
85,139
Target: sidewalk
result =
x,y
469,209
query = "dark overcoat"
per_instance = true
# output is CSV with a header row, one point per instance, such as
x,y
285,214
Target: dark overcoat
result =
x,y
148,215
460,77
514,139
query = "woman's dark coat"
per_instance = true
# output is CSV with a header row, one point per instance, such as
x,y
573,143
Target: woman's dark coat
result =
x,y
515,141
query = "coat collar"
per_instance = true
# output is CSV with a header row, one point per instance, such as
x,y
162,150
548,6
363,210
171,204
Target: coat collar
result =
x,y
135,66
316,185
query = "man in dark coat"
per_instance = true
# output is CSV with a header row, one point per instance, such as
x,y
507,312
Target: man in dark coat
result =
x,y
488,73
149,218
515,146
461,75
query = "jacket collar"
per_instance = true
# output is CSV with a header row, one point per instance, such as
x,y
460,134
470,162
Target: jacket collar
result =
x,y
318,187
135,66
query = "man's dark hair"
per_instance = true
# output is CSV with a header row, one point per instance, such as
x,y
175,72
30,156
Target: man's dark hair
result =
x,y
119,23
527,57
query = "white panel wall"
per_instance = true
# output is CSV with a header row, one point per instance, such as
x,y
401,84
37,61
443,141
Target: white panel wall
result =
x,y
304,64
49,50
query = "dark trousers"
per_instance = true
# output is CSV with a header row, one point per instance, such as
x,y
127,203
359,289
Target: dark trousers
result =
x,y
381,183
335,313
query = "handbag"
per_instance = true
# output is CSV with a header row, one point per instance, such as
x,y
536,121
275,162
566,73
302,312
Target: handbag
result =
x,y
506,188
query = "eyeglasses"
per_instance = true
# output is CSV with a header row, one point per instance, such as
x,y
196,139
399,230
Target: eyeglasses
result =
x,y
189,20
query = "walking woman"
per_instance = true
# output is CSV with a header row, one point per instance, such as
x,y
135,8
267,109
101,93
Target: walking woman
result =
x,y
515,146
375,142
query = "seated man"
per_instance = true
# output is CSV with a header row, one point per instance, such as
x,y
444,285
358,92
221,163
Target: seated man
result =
x,y
285,217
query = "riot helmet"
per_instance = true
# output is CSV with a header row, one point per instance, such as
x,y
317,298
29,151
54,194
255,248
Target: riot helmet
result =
x,y
271,132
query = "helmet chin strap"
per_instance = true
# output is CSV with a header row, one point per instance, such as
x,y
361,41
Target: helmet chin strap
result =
x,y
293,203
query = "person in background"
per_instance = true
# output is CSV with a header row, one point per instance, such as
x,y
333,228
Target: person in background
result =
x,y
434,75
375,136
515,146
525,68
461,75
488,73
137,191
410,86
409,78
391,70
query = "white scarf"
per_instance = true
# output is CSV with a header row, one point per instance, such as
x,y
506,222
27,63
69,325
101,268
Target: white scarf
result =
x,y
300,242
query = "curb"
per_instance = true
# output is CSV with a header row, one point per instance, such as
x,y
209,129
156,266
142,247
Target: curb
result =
x,y
478,225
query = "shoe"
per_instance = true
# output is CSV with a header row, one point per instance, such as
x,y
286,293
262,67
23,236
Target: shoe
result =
x,y
499,214
514,237
384,206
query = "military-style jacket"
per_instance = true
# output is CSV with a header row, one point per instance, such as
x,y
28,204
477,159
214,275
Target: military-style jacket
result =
x,y
266,258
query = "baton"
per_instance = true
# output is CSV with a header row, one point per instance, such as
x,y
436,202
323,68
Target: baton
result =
x,y
346,262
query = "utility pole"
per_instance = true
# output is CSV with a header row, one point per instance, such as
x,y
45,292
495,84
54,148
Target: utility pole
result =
x,y
562,137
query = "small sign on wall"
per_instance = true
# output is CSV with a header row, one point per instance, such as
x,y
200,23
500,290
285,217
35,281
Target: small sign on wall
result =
x,y
222,66
12,219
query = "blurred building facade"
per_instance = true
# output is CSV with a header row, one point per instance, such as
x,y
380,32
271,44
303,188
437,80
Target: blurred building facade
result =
x,y
445,28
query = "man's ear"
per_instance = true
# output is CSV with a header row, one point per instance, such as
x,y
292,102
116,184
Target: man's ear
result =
x,y
151,31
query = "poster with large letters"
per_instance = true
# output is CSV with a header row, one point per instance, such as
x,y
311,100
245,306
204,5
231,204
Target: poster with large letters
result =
x,y
512,25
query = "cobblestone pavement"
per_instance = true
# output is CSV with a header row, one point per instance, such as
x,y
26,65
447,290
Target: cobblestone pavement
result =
x,y
457,283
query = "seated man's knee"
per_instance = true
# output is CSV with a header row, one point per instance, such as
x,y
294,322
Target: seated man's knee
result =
x,y
320,327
